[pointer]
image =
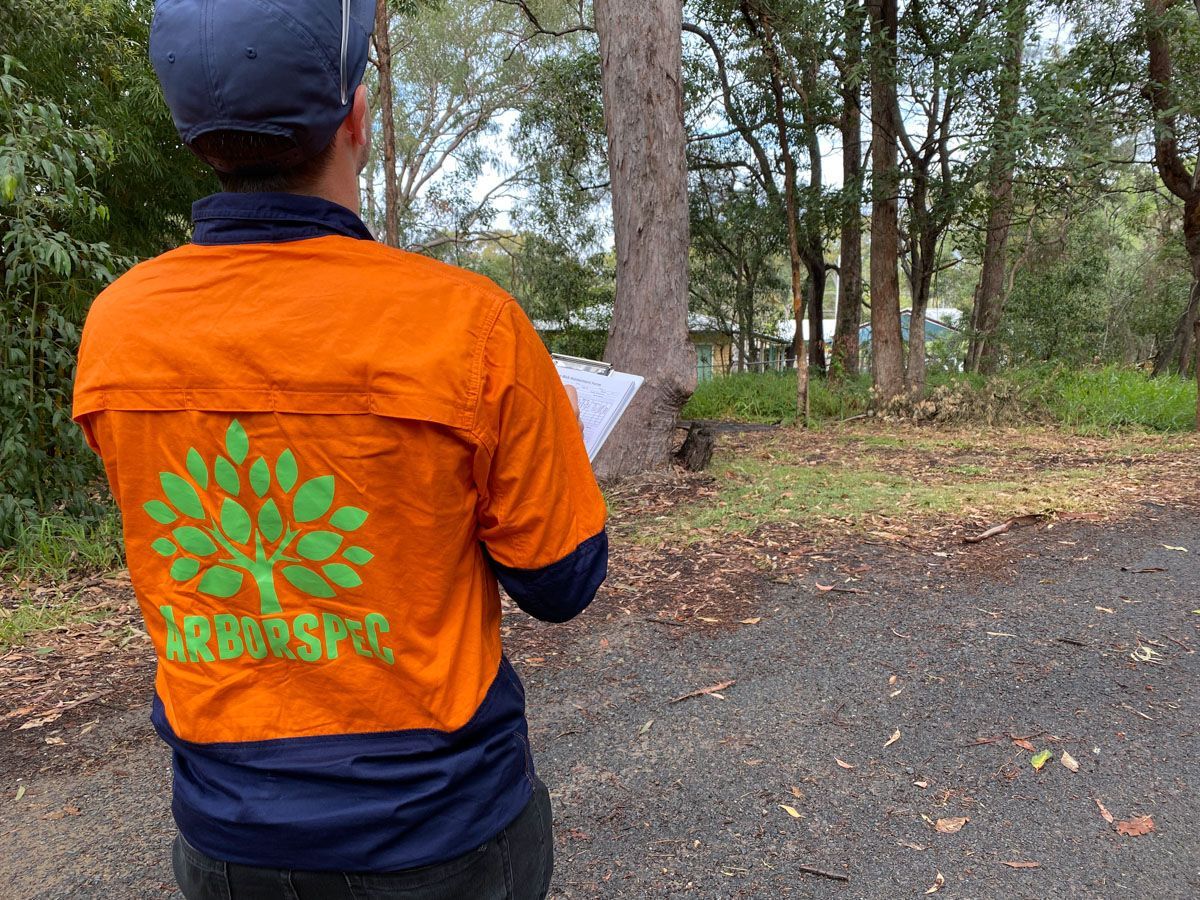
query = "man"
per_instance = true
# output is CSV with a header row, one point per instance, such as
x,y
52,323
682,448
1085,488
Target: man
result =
x,y
326,452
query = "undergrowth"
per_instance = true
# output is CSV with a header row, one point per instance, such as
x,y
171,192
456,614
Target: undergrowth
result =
x,y
1094,401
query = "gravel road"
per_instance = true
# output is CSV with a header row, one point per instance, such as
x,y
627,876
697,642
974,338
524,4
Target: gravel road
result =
x,y
793,766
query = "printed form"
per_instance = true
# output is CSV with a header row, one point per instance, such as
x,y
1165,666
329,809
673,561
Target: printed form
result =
x,y
604,395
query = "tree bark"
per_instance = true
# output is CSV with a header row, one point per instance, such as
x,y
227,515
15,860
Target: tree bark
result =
x,y
641,78
1173,171
887,359
990,294
383,54
850,286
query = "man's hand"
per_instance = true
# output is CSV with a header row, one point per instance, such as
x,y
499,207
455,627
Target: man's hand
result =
x,y
573,396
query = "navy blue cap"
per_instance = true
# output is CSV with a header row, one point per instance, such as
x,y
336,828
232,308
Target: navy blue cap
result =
x,y
280,67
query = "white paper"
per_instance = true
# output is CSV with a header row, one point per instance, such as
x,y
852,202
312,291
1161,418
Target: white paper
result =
x,y
603,399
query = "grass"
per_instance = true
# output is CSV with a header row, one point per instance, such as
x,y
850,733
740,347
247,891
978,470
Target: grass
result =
x,y
1091,401
33,615
770,397
758,491
56,547
51,551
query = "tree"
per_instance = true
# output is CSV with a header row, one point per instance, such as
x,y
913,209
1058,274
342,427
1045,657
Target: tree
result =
x,y
990,293
641,76
240,520
47,185
850,281
445,73
886,345
1170,139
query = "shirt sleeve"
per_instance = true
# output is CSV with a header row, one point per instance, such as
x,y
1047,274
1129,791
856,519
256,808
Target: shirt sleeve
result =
x,y
540,514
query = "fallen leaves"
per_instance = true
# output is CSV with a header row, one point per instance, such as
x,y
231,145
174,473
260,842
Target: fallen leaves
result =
x,y
843,764
1176,549
937,884
1021,865
1041,759
645,728
1069,761
790,810
951,825
753,621
895,737
1108,817
1136,826
20,792
1024,744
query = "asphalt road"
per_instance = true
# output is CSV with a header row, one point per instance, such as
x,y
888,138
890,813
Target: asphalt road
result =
x,y
658,799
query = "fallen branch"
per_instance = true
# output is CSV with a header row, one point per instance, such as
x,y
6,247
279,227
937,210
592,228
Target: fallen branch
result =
x,y
711,689
1015,522
821,872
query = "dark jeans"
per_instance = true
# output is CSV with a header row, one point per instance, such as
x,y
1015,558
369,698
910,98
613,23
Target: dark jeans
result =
x,y
514,865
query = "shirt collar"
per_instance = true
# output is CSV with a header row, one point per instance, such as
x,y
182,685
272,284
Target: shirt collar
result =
x,y
271,218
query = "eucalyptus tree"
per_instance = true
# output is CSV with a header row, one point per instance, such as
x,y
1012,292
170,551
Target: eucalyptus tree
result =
x,y
446,74
737,255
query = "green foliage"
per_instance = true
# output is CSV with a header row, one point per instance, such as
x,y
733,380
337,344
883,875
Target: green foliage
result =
x,y
59,546
1090,400
47,189
1112,399
770,397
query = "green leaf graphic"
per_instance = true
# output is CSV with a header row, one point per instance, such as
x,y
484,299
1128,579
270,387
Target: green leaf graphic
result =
x,y
193,540
313,499
185,569
308,581
235,521
285,471
341,575
163,547
319,545
220,582
227,476
236,442
182,495
197,469
260,476
160,512
270,523
359,555
348,518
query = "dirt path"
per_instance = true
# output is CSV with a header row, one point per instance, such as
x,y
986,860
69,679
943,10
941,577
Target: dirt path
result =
x,y
660,799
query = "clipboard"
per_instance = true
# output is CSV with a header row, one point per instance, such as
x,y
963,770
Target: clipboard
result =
x,y
604,395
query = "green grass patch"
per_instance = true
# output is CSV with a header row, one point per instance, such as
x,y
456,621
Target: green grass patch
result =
x,y
758,491
770,397
1113,399
56,547
1094,401
35,614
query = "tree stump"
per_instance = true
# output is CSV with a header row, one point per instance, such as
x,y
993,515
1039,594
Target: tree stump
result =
x,y
697,450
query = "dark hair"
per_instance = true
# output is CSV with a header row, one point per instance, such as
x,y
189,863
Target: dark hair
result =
x,y
260,161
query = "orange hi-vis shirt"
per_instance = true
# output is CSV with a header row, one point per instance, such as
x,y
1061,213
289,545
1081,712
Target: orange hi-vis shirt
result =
x,y
325,452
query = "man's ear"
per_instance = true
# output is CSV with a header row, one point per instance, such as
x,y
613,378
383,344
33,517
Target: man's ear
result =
x,y
358,123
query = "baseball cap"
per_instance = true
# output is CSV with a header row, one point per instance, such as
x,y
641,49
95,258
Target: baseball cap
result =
x,y
287,68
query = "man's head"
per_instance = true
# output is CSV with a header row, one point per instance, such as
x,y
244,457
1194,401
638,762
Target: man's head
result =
x,y
269,92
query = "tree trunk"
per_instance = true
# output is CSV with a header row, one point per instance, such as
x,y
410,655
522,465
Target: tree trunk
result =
x,y
641,78
982,352
818,275
755,19
850,287
383,53
887,360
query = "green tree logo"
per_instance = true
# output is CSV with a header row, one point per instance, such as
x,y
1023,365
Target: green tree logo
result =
x,y
223,548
